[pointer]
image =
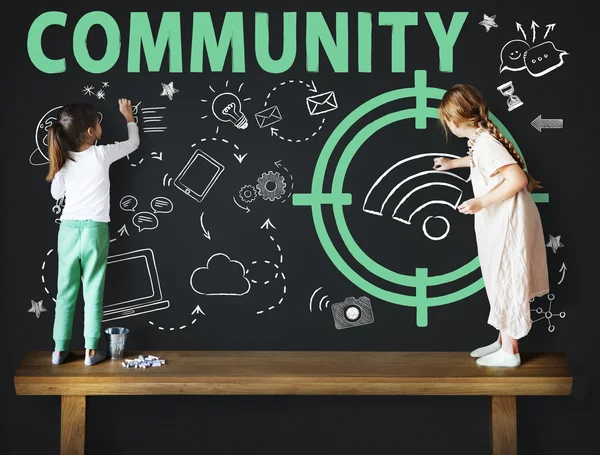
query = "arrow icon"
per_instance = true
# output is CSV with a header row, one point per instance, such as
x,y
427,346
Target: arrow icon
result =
x,y
241,206
539,123
314,88
206,233
548,28
533,26
198,310
123,231
240,157
274,131
267,224
563,269
520,29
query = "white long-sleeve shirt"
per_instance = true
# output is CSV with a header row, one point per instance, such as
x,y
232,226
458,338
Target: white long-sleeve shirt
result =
x,y
85,184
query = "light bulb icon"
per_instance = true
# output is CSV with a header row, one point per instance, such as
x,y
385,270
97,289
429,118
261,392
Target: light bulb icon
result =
x,y
228,108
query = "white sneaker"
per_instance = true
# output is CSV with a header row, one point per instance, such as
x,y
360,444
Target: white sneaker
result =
x,y
96,358
500,358
485,350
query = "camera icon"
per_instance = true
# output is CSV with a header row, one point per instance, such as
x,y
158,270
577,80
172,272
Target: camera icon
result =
x,y
352,312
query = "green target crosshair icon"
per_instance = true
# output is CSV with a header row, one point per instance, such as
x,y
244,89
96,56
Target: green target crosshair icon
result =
x,y
337,199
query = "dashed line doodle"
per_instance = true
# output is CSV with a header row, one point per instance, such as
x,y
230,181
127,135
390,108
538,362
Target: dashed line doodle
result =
x,y
317,104
181,327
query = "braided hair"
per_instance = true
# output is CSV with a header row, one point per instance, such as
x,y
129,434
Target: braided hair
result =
x,y
463,103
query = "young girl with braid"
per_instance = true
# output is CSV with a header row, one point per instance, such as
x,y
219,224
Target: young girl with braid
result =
x,y
508,229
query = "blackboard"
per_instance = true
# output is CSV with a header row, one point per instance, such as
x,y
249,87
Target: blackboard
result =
x,y
280,197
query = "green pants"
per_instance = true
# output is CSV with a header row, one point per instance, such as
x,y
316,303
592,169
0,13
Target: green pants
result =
x,y
82,255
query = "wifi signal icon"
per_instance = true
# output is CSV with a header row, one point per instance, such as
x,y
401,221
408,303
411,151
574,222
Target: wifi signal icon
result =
x,y
323,301
401,190
167,180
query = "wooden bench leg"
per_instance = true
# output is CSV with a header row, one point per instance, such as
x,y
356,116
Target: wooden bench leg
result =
x,y
503,425
72,425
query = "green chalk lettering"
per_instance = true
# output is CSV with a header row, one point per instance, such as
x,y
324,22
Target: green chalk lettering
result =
x,y
317,32
365,42
288,54
34,42
113,42
445,40
140,35
398,21
203,36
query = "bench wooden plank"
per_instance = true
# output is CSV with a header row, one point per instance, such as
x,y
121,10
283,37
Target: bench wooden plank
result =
x,y
503,425
297,373
72,428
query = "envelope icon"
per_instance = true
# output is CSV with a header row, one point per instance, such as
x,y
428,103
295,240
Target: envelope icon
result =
x,y
321,103
268,116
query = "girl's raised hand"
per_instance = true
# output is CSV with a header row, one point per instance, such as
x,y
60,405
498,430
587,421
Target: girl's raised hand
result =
x,y
125,109
442,164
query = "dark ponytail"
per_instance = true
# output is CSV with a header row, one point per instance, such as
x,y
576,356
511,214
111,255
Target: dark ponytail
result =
x,y
67,133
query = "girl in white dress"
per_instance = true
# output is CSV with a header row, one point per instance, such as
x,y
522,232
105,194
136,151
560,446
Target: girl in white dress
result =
x,y
508,229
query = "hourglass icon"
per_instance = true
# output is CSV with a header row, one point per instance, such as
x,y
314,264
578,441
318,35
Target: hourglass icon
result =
x,y
508,90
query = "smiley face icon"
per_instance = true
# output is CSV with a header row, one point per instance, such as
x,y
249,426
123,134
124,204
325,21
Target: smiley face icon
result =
x,y
512,55
39,156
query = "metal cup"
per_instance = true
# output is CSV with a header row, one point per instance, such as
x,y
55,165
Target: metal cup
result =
x,y
115,339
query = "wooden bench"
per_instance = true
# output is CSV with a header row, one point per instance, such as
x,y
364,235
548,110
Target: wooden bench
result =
x,y
297,373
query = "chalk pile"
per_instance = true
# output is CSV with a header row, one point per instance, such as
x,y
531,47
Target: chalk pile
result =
x,y
141,362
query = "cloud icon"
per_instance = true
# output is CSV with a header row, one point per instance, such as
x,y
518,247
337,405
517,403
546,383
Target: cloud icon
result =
x,y
221,276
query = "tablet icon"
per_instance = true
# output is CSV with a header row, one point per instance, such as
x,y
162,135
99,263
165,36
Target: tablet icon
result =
x,y
199,175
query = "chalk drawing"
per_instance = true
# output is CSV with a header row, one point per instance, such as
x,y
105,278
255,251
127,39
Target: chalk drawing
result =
x,y
508,90
548,314
554,243
538,60
271,185
168,90
488,22
430,182
37,308
352,312
193,180
220,276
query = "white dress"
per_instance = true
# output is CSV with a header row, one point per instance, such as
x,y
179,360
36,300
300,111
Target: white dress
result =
x,y
510,242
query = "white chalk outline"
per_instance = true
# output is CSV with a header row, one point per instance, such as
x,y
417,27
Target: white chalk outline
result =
x,y
441,237
128,196
143,215
239,121
156,298
382,176
190,192
163,198
207,268
421,207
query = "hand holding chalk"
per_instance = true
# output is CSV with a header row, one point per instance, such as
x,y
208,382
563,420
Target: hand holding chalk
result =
x,y
125,109
442,164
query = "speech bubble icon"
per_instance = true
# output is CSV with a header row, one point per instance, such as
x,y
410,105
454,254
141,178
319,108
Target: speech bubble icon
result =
x,y
161,205
145,221
543,58
511,55
128,203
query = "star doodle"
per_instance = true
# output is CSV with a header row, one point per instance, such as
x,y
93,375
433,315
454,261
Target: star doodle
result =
x,y
168,90
100,94
105,84
37,308
88,90
488,22
554,243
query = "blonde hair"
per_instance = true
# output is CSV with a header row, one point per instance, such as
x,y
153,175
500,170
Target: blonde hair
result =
x,y
464,104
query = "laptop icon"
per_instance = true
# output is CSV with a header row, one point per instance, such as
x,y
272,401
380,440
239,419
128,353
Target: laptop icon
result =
x,y
132,286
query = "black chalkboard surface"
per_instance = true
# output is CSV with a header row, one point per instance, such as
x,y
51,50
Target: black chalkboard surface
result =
x,y
283,197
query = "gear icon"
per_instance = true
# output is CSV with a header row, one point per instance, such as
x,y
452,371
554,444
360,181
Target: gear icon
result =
x,y
247,193
271,186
